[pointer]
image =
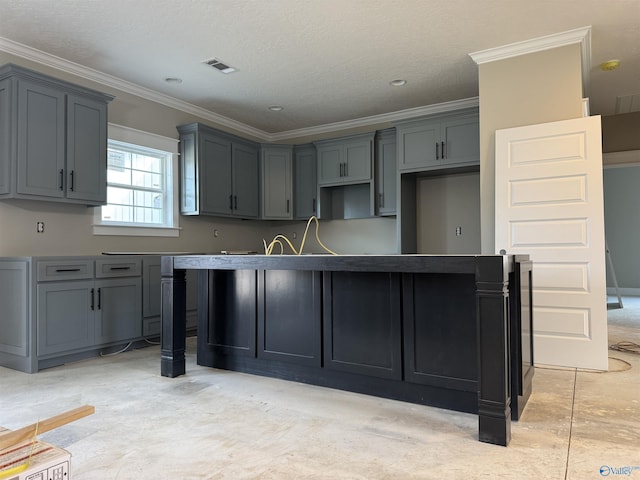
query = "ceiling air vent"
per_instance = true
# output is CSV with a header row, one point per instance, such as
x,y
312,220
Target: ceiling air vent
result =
x,y
218,65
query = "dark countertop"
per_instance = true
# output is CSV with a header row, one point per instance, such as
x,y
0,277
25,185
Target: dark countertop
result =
x,y
354,263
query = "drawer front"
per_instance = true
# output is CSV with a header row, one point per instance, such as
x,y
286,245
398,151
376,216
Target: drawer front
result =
x,y
108,268
56,270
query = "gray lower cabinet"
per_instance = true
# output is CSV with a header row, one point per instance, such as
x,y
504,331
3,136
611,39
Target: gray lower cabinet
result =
x,y
118,310
54,137
16,329
66,320
305,187
60,309
219,173
437,142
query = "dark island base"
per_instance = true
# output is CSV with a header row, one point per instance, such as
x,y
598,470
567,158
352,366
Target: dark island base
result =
x,y
450,332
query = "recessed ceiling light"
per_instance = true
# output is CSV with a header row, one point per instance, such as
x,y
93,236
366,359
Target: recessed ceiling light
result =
x,y
610,65
276,108
173,80
398,83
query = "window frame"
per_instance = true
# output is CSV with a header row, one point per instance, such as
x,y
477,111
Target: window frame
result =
x,y
153,141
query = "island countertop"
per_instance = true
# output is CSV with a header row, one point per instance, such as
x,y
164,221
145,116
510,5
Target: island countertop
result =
x,y
354,263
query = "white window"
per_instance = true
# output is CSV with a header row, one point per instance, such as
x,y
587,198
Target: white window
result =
x,y
141,175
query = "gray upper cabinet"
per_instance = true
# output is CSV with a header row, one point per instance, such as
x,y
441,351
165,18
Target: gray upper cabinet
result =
x,y
345,160
386,172
54,139
443,141
86,139
219,173
277,182
306,181
245,178
5,137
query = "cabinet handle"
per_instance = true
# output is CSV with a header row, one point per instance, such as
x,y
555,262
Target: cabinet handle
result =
x,y
67,269
119,268
61,179
287,205
230,202
72,182
341,170
99,298
235,202
313,205
437,154
443,151
92,303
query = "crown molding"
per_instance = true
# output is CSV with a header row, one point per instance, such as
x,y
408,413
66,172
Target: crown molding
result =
x,y
43,58
581,36
390,117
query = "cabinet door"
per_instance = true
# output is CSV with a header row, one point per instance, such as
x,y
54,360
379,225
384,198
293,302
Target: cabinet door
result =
x,y
330,166
361,319
289,316
246,181
86,150
65,316
276,183
417,146
306,183
357,161
215,175
232,316
5,136
118,305
461,141
41,140
386,176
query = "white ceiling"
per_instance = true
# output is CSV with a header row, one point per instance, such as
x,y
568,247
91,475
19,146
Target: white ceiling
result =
x,y
324,61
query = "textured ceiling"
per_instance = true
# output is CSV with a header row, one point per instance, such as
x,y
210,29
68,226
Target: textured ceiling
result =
x,y
324,61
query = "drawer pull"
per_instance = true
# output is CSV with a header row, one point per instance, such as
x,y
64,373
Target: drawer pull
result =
x,y
67,269
93,291
119,268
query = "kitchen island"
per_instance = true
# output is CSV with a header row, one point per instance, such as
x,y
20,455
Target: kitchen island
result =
x,y
447,331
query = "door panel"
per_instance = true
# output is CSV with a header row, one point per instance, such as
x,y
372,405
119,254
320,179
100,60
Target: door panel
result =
x,y
549,205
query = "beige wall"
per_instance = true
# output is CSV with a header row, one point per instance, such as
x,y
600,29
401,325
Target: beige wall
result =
x,y
442,204
621,133
358,236
535,88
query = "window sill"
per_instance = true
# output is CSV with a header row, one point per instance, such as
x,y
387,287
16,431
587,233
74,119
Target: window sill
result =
x,y
136,231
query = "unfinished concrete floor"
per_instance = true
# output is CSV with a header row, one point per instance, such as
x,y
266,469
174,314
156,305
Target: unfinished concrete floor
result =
x,y
215,424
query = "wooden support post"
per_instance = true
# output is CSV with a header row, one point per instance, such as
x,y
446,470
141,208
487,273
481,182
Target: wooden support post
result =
x,y
494,398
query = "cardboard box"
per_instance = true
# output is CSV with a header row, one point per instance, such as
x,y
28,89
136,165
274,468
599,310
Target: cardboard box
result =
x,y
46,462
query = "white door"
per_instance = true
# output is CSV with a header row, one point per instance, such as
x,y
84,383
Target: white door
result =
x,y
549,205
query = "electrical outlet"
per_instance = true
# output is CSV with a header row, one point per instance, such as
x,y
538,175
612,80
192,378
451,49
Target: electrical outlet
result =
x,y
40,227
458,231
